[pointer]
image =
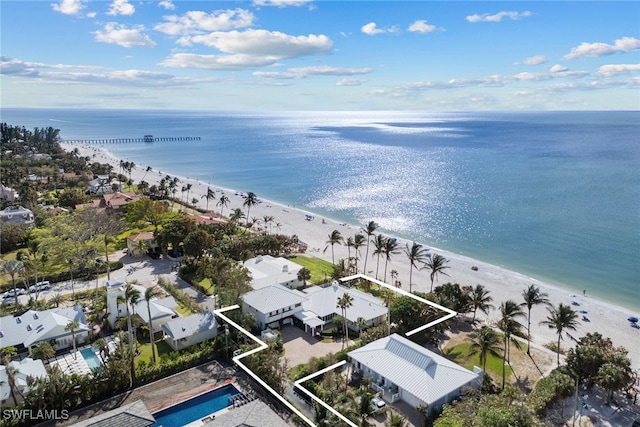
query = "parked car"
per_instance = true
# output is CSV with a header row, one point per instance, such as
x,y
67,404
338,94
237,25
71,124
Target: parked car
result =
x,y
10,294
40,286
377,403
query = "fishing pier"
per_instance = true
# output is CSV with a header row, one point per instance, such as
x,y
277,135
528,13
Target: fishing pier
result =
x,y
146,138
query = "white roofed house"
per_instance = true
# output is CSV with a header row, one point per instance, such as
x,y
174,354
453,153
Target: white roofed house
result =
x,y
23,370
17,215
273,306
162,310
323,301
403,370
184,332
266,270
33,327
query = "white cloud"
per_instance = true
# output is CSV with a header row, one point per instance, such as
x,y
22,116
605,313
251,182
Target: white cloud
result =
x,y
281,3
121,7
497,17
304,72
115,33
69,7
196,22
350,82
371,29
624,44
558,69
615,69
217,62
421,26
533,60
263,43
167,4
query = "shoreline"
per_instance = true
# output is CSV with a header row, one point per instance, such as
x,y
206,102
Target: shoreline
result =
x,y
607,318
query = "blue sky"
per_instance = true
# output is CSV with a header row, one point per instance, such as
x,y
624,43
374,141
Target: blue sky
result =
x,y
321,55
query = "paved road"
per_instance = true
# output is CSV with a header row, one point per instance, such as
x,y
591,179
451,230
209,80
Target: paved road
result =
x,y
144,270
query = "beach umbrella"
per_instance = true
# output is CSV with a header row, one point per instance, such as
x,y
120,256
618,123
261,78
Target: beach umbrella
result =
x,y
633,319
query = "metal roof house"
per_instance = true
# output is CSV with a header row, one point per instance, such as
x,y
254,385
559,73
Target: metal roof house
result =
x,y
403,370
184,332
267,270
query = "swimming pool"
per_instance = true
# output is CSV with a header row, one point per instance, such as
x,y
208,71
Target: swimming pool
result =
x,y
91,358
196,408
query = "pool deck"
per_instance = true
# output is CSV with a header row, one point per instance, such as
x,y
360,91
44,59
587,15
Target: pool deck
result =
x,y
163,393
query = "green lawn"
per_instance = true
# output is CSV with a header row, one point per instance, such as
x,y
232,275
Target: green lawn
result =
x,y
460,354
144,347
320,269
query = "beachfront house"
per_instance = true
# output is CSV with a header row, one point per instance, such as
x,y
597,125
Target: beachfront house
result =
x,y
32,327
267,270
17,215
403,370
273,306
24,369
103,184
323,303
134,414
162,310
184,332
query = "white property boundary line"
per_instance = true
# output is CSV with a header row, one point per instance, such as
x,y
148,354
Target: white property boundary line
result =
x,y
262,346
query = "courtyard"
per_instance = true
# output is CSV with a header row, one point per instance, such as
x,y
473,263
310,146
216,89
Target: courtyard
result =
x,y
299,345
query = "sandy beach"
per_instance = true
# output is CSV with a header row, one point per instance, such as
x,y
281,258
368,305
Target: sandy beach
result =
x,y
607,319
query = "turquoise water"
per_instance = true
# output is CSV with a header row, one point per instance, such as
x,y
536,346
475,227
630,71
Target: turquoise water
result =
x,y
196,408
553,195
91,358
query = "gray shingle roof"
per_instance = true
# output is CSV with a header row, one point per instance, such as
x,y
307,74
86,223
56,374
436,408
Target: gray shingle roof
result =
x,y
324,301
135,414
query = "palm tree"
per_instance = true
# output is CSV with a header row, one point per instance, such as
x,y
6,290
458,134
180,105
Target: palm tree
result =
x,y
189,187
184,188
379,243
345,302
509,312
236,215
396,420
370,228
211,194
267,220
7,355
57,299
416,254
334,238
561,318
485,342
532,296
390,248
43,351
349,244
436,263
149,294
223,202
249,201
304,274
13,267
146,171
131,296
358,242
72,326
480,300
394,277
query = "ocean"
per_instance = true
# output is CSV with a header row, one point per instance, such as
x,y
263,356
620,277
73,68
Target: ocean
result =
x,y
552,195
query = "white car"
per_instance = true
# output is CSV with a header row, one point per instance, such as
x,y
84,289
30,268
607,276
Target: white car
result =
x,y
378,403
10,294
40,286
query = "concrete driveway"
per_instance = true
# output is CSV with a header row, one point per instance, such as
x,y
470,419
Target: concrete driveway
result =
x,y
300,346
